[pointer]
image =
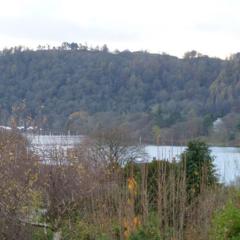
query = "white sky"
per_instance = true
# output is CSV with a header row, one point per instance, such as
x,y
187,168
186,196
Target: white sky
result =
x,y
211,27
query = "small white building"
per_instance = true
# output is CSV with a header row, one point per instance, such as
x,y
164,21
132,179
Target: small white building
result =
x,y
218,125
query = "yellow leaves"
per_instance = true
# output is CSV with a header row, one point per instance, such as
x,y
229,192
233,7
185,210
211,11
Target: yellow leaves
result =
x,y
136,221
132,185
130,225
127,230
131,222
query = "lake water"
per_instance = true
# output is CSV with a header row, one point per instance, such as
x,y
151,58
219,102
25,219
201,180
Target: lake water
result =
x,y
226,159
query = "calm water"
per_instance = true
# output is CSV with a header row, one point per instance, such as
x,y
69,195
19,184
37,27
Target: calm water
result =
x,y
227,159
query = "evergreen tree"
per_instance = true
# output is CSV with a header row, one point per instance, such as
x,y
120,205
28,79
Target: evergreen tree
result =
x,y
200,170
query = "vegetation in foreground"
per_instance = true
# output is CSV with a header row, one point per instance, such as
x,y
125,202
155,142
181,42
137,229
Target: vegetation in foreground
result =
x,y
103,193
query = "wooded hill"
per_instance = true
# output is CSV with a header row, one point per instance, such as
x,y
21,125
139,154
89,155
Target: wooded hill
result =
x,y
78,88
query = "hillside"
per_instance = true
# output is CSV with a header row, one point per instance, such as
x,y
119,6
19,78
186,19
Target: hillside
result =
x,y
77,88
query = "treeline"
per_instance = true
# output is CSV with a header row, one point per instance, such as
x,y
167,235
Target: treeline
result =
x,y
76,87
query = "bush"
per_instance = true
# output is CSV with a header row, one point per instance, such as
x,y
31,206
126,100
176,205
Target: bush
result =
x,y
79,231
226,223
150,231
39,234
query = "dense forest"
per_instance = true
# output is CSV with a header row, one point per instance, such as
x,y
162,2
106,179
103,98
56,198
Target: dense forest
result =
x,y
78,88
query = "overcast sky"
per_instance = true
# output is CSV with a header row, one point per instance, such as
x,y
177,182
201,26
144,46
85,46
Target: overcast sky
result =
x,y
211,27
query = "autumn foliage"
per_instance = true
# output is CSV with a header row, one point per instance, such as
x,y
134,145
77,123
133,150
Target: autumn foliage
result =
x,y
101,190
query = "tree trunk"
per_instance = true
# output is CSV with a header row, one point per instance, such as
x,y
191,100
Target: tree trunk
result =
x,y
57,235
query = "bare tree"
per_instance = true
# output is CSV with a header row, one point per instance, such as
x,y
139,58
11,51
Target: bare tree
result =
x,y
115,147
18,174
67,186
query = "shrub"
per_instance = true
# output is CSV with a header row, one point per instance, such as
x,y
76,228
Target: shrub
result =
x,y
149,231
226,223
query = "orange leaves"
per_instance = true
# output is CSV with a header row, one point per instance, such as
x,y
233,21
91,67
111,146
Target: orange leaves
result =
x,y
130,225
131,222
132,186
136,222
